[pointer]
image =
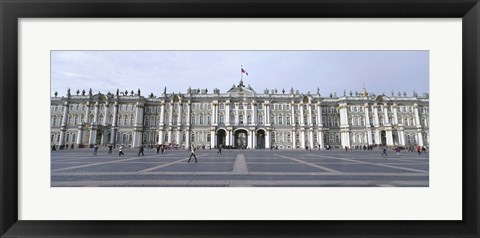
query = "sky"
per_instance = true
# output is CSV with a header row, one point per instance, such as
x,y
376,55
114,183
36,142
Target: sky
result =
x,y
152,71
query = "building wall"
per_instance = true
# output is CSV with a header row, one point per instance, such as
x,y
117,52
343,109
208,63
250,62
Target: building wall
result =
x,y
285,120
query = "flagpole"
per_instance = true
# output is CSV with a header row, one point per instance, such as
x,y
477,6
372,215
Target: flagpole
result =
x,y
241,73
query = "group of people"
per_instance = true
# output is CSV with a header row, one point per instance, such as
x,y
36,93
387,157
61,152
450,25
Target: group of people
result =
x,y
420,150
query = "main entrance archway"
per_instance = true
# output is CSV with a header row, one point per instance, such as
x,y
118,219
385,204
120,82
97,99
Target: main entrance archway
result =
x,y
241,138
221,135
260,139
383,137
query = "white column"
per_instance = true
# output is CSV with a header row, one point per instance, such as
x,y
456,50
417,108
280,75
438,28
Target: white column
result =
x,y
377,137
249,139
187,138
237,116
419,126
95,115
64,124
213,113
320,140
79,136
114,123
227,137
417,116
188,114
367,124
375,114
292,118
311,139
170,116
93,136
139,114
401,137
169,136
395,114
302,138
267,140
178,138
254,139
87,114
162,113
212,139
245,115
389,137
294,139
227,112
105,117
385,114
160,136
309,106
302,122
254,113
179,118
319,115
265,114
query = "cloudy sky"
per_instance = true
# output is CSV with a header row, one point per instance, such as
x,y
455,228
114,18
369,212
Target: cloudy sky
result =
x,y
151,71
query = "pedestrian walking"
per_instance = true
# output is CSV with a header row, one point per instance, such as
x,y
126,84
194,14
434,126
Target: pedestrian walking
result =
x,y
120,151
424,149
384,152
158,149
419,150
397,150
95,149
110,148
192,149
140,150
219,149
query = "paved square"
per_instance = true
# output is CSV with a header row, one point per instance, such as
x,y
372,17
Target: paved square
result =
x,y
239,168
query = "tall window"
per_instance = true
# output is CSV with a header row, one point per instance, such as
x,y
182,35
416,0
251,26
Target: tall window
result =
x,y
201,119
222,119
288,120
260,120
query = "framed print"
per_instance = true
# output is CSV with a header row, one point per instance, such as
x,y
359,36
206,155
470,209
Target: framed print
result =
x,y
344,118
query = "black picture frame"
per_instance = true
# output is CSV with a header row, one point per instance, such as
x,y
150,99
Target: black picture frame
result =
x,y
12,10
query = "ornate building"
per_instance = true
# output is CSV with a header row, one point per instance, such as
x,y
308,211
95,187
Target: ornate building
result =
x,y
240,117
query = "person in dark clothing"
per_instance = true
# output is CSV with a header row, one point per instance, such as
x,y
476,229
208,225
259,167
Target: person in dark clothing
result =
x,y
384,152
140,150
110,148
158,149
192,149
219,149
95,149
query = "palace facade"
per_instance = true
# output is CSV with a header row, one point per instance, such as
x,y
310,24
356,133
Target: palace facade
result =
x,y
240,117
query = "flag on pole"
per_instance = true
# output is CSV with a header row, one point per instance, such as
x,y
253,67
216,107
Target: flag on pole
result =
x,y
245,72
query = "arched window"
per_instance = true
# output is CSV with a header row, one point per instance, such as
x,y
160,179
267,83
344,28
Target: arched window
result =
x,y
131,121
193,138
209,120
249,119
124,138
240,118
260,120
68,137
209,138
130,138
194,121
201,119
222,119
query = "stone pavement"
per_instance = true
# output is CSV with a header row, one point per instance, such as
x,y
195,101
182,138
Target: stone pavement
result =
x,y
239,168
